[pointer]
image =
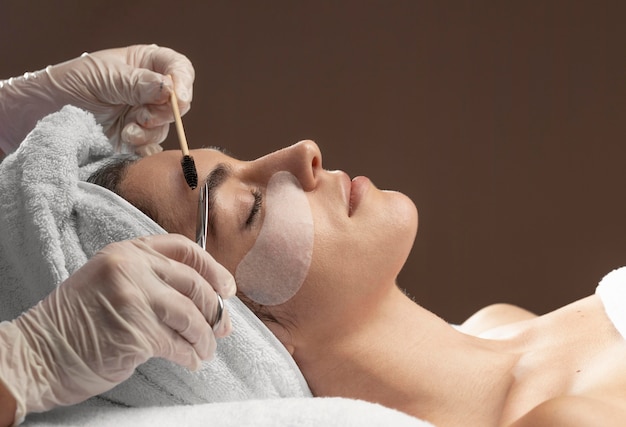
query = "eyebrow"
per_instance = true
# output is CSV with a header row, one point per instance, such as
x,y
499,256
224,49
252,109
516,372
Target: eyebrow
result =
x,y
213,180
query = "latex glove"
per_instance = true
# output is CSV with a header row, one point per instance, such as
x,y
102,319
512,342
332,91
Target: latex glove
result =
x,y
127,90
137,299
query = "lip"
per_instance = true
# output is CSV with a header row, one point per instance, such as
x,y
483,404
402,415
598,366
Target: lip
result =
x,y
358,188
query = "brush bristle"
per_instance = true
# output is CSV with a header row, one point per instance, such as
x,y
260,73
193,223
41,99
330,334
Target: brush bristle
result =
x,y
189,170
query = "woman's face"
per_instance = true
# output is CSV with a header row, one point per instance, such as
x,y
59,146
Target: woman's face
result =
x,y
362,235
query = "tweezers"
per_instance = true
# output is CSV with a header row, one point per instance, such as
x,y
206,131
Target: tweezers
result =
x,y
201,232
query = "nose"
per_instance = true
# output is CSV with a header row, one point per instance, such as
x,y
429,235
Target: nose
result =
x,y
303,160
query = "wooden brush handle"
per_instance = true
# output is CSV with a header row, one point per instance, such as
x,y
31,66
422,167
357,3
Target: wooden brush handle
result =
x,y
179,124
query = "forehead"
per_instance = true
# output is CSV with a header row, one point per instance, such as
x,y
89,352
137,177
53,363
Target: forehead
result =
x,y
157,183
165,168
169,160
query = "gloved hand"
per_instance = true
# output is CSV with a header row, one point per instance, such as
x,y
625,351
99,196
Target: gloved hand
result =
x,y
127,90
153,296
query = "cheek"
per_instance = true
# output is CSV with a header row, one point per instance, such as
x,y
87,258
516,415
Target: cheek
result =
x,y
273,271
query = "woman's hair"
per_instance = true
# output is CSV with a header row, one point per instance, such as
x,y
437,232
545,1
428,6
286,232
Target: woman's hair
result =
x,y
110,177
112,174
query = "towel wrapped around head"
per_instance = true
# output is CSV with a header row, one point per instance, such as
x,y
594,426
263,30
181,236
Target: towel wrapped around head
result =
x,y
52,222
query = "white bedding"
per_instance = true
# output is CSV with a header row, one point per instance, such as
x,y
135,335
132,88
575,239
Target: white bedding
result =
x,y
301,412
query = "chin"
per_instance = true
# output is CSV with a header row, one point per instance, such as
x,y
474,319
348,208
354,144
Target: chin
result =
x,y
408,216
398,229
403,212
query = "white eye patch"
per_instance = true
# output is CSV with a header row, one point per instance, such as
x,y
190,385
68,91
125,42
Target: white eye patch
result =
x,y
274,269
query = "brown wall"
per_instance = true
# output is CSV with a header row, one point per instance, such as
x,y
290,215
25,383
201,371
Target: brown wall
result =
x,y
504,121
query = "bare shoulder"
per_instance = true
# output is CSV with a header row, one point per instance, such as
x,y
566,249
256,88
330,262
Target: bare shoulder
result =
x,y
494,316
575,411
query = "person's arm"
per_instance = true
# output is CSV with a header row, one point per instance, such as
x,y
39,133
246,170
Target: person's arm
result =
x,y
127,90
150,297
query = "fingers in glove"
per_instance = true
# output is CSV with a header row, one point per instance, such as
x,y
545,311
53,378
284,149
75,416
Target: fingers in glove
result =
x,y
189,283
225,327
177,349
169,62
152,115
148,149
149,87
135,135
147,124
128,83
179,313
181,249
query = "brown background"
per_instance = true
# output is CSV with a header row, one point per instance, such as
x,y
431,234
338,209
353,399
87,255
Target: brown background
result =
x,y
504,121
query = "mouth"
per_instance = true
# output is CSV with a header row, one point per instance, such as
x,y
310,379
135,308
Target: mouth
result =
x,y
358,188
346,187
353,191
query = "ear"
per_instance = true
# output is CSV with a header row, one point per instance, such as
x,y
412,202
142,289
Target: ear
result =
x,y
283,335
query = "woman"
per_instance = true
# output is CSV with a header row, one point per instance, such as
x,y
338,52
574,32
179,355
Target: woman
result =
x,y
354,333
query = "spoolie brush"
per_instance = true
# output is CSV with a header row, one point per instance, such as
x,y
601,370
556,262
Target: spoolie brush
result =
x,y
189,166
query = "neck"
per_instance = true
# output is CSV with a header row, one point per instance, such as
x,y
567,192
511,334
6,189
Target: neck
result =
x,y
405,357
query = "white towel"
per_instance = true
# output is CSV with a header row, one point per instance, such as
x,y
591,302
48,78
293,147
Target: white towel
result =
x,y
288,412
612,292
51,223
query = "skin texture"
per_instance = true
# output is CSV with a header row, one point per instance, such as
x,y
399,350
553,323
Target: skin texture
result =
x,y
354,333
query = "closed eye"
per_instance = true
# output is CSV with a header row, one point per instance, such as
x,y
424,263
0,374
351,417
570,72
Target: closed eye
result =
x,y
256,208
